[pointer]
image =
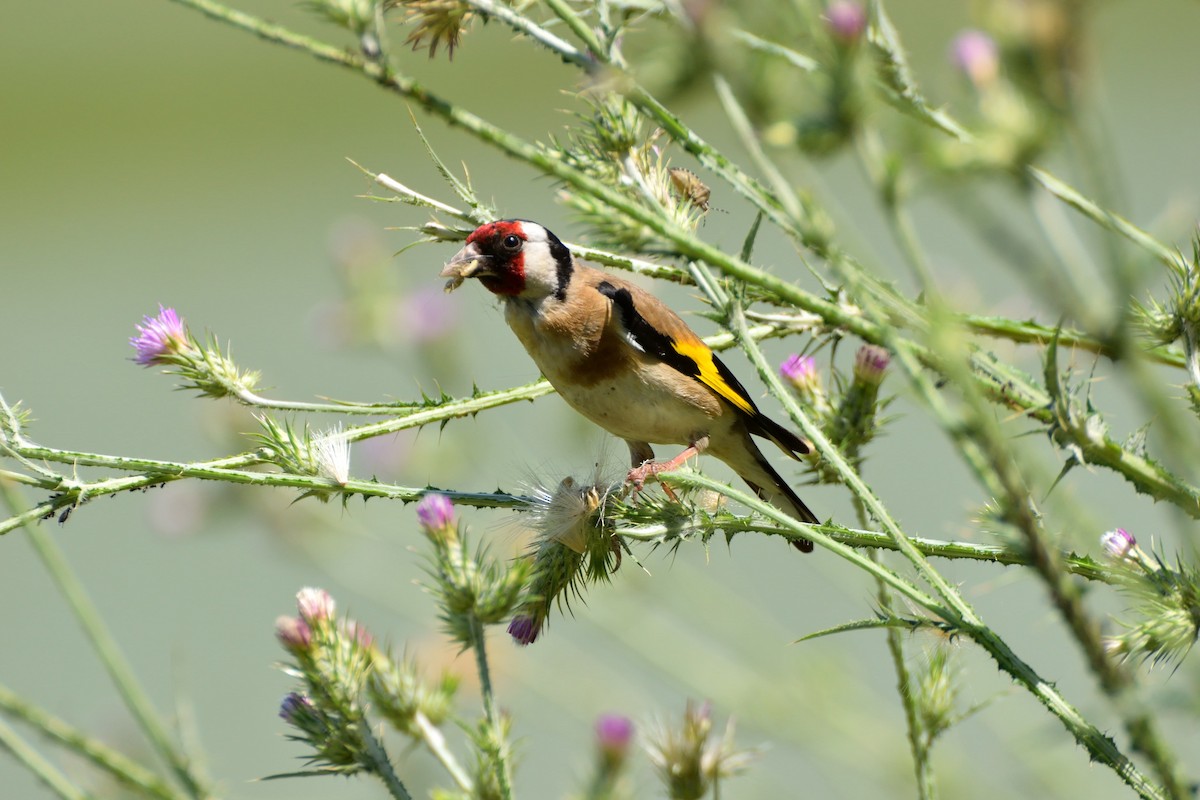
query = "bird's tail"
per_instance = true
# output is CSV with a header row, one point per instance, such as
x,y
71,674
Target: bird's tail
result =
x,y
752,467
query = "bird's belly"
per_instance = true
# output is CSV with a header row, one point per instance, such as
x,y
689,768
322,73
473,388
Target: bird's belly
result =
x,y
629,394
632,408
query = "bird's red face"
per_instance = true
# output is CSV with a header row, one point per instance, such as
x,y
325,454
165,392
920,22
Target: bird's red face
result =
x,y
514,258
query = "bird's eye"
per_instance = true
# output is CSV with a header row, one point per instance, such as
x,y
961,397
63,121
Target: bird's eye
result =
x,y
512,242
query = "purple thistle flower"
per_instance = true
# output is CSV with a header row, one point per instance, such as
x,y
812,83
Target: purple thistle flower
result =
x,y
870,363
314,604
295,707
846,20
159,337
435,512
614,732
293,633
976,55
800,371
1118,543
524,629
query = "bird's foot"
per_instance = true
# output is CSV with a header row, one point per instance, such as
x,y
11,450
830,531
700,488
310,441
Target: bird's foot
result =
x,y
638,475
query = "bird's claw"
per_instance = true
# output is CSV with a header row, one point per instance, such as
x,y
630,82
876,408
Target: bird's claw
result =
x,y
638,475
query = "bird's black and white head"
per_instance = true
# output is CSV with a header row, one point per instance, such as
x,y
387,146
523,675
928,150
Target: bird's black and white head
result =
x,y
514,258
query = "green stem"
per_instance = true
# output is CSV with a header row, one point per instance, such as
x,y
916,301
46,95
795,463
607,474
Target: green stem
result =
x,y
578,27
128,773
71,493
958,610
908,99
381,765
536,32
497,744
1100,747
42,769
1107,219
986,449
432,736
108,651
1031,332
917,743
1143,473
702,523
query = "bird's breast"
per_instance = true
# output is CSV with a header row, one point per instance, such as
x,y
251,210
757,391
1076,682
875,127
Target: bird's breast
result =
x,y
623,390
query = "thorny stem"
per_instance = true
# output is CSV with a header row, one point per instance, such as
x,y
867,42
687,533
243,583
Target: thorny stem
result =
x,y
1016,392
497,744
957,613
156,472
108,651
1019,331
957,610
381,765
883,36
534,31
1000,382
121,768
982,444
918,744
72,493
579,28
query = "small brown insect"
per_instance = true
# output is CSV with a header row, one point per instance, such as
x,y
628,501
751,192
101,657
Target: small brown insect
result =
x,y
691,187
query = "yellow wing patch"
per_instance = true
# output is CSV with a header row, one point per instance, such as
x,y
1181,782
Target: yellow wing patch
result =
x,y
713,376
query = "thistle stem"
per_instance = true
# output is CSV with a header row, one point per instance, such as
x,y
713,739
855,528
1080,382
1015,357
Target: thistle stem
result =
x,y
121,768
42,769
1009,387
432,736
497,745
381,765
108,651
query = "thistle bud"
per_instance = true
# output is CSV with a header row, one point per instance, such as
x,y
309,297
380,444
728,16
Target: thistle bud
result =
x,y
315,605
297,710
976,55
524,629
435,513
614,733
870,363
1118,543
846,21
294,634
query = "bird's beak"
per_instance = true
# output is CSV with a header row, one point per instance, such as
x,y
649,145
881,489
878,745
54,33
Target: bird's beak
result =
x,y
467,263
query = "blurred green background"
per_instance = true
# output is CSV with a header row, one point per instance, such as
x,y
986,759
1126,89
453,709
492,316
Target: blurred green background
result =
x,y
148,155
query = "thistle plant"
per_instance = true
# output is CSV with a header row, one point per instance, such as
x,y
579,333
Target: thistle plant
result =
x,y
785,87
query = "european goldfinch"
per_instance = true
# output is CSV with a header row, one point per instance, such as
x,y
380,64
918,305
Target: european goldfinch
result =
x,y
624,360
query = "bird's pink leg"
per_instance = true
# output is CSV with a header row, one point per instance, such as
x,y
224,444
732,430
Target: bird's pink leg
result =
x,y
638,475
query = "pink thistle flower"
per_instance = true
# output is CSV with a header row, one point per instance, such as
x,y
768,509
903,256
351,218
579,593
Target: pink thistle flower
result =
x,y
614,732
870,363
435,512
159,337
293,633
846,20
976,55
314,604
1118,543
800,371
356,631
